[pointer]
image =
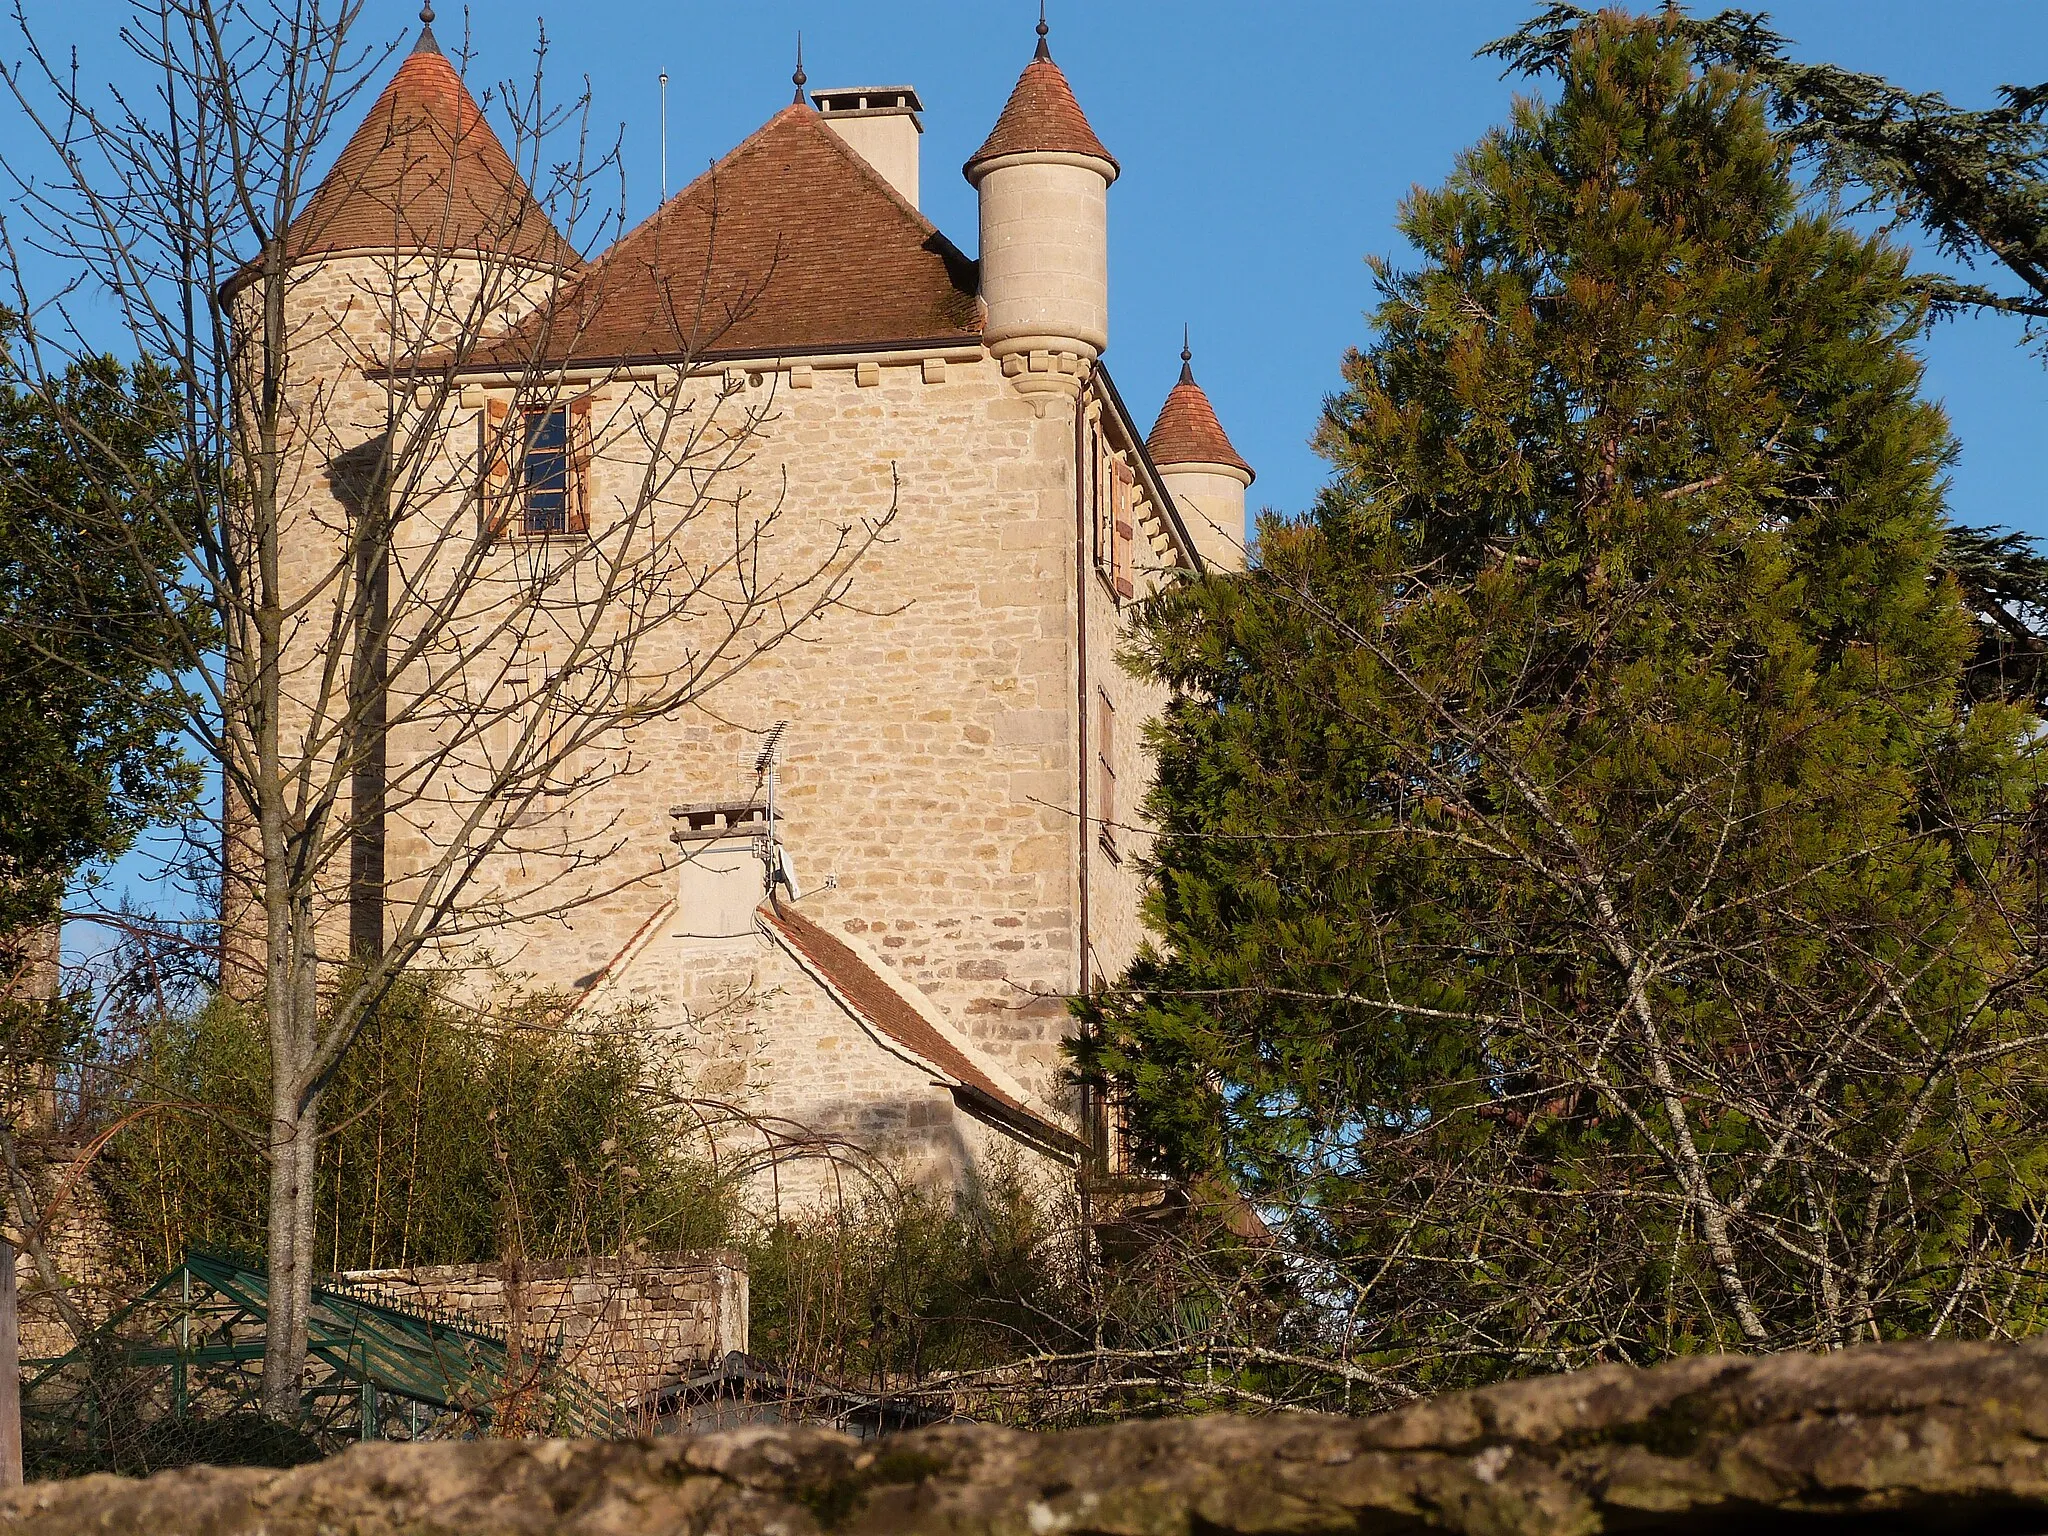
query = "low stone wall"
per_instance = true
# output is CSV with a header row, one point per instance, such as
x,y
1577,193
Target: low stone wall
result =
x,y
1920,1437
625,1327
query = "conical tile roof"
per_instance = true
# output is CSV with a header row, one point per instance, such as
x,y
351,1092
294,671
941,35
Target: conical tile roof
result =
x,y
1187,431
1042,115
425,172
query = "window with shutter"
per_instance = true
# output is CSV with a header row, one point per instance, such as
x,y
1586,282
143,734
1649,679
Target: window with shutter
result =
x,y
1124,532
536,469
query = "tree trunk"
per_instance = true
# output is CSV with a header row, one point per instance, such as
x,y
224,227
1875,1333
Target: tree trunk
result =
x,y
10,1372
294,1164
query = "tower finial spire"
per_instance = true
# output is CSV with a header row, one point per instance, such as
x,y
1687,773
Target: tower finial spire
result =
x,y
1187,357
800,78
426,43
1044,49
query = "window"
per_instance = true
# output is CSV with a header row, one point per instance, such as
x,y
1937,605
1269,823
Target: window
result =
x,y
546,471
1105,771
537,480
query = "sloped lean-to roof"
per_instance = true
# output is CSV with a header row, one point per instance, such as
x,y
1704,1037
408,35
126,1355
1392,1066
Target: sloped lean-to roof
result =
x,y
911,1026
424,172
791,245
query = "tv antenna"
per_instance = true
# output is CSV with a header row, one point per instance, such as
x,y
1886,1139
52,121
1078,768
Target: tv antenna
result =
x,y
774,857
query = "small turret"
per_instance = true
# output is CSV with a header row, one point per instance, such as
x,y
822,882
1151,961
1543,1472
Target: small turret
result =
x,y
1043,178
1203,474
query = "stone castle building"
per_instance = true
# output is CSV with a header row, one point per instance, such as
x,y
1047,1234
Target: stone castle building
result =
x,y
957,774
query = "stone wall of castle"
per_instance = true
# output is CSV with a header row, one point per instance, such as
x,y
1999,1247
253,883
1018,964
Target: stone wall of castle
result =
x,y
928,773
347,317
626,1327
932,769
791,1093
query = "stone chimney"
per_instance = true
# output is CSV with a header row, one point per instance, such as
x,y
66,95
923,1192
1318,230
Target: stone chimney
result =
x,y
881,125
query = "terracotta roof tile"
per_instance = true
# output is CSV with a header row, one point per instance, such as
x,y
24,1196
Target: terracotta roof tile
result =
x,y
1042,114
1187,431
792,243
887,1010
425,172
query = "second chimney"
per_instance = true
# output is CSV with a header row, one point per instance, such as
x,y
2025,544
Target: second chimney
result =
x,y
880,124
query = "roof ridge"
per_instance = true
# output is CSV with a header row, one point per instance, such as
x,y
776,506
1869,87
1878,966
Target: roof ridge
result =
x,y
751,142
861,164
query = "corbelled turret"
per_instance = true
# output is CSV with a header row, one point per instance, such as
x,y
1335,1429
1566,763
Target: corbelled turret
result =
x,y
1044,178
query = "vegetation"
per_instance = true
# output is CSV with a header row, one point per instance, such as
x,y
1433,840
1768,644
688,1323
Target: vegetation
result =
x,y
457,1138
1976,180
1015,1304
1596,918
88,755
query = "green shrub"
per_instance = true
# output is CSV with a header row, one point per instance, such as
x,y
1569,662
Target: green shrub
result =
x,y
455,1136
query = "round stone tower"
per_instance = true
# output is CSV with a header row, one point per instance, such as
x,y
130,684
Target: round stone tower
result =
x,y
1203,474
1043,178
423,236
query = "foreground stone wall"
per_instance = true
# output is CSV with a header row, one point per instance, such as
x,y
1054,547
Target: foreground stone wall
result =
x,y
625,1328
1943,1437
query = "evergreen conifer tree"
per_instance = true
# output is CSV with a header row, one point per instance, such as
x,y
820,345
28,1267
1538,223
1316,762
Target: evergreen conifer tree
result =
x,y
1593,916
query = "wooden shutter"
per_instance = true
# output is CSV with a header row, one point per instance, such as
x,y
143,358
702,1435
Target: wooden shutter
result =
x,y
581,453
1124,532
1105,764
497,497
1105,477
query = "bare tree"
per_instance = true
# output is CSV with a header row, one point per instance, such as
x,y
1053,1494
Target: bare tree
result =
x,y
447,576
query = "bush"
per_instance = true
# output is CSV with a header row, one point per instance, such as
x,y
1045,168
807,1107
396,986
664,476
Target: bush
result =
x,y
455,1137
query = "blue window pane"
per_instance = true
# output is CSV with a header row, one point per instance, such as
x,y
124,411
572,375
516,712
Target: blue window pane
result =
x,y
547,472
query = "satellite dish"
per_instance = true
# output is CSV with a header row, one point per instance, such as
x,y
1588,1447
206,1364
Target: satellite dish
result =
x,y
785,871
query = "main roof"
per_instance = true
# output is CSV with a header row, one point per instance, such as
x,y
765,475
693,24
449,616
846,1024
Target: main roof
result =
x,y
791,244
1041,117
1187,431
425,172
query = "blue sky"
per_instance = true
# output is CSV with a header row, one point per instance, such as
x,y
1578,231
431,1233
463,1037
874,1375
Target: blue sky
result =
x,y
1265,149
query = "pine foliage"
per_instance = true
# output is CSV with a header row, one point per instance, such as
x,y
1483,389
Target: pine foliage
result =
x,y
88,721
1594,917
